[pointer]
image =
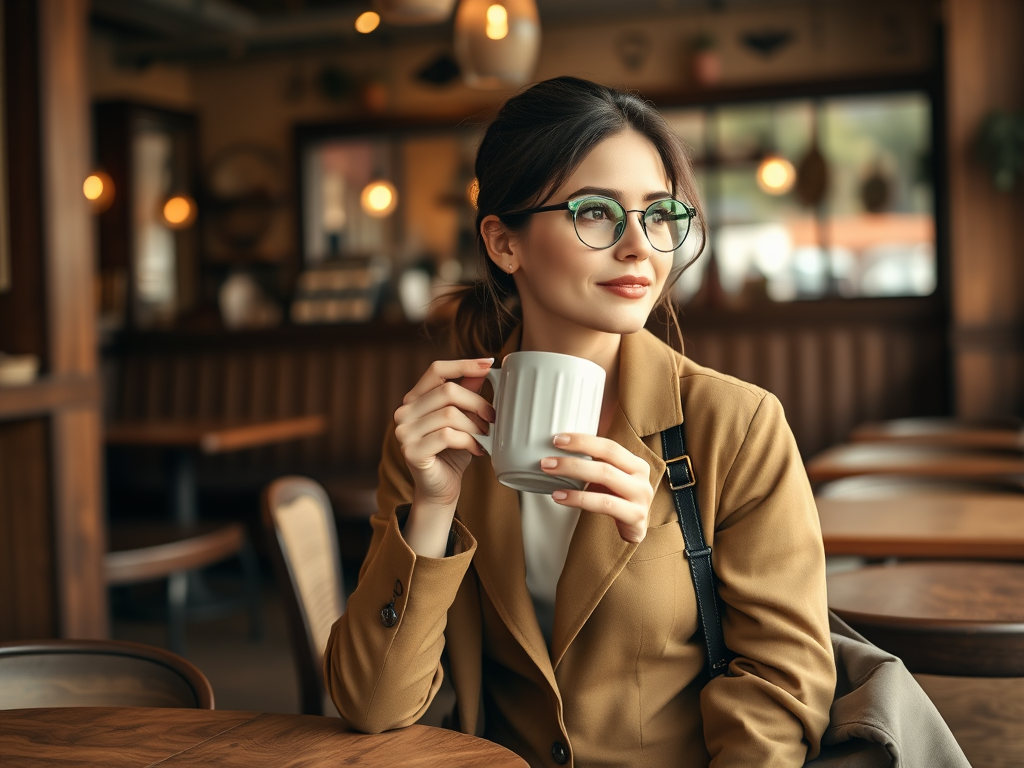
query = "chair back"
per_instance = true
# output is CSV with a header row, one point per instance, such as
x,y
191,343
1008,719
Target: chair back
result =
x,y
303,543
98,673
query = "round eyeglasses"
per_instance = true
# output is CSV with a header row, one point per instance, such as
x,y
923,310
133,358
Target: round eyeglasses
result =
x,y
600,221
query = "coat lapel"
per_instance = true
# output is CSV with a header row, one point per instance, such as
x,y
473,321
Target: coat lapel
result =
x,y
648,403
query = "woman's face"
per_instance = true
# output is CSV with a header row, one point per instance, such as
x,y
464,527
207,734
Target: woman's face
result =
x,y
564,285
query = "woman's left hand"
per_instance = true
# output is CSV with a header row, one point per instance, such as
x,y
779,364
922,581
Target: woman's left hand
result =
x,y
618,482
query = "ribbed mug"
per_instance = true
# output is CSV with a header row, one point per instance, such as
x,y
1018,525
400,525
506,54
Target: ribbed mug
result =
x,y
538,395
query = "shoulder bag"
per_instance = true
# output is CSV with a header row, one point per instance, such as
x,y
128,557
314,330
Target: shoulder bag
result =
x,y
880,716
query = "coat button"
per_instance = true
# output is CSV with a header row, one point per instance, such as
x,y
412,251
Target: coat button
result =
x,y
560,753
388,616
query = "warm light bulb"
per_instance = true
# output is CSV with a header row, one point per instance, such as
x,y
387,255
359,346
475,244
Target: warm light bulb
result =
x,y
497,22
98,189
367,22
473,192
379,198
776,175
179,212
93,187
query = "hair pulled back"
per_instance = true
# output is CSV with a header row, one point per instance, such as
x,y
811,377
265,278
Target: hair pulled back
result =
x,y
538,139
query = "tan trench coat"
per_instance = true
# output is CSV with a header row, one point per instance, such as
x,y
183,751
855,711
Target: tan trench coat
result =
x,y
622,683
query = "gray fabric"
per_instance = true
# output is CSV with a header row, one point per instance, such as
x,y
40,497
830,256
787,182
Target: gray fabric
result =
x,y
880,715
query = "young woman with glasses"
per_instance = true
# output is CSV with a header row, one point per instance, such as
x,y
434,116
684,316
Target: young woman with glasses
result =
x,y
569,621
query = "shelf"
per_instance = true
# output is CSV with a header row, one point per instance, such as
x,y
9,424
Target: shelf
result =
x,y
47,394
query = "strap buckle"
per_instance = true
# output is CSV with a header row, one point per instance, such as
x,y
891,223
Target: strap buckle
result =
x,y
689,473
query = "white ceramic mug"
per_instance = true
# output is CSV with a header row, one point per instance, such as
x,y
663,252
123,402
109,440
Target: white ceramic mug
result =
x,y
538,395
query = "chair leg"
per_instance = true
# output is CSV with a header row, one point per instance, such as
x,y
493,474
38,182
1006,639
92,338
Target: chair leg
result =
x,y
177,611
251,575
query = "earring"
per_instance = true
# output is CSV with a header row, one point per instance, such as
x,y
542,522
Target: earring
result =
x,y
510,267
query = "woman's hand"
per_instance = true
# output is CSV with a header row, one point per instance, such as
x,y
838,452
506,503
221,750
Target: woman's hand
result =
x,y
618,482
435,424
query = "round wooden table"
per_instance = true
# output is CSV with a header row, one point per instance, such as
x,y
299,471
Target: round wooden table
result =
x,y
941,618
142,736
854,459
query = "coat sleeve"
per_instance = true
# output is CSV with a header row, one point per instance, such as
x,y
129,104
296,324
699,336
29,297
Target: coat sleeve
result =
x,y
382,677
773,705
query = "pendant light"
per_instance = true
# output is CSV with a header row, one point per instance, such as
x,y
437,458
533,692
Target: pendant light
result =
x,y
413,12
497,42
775,175
379,198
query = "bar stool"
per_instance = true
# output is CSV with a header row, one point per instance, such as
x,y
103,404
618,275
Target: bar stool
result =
x,y
140,552
962,619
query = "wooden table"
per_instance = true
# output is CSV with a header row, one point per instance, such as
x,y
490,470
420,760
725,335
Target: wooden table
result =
x,y
895,459
125,736
947,618
1003,434
963,525
183,441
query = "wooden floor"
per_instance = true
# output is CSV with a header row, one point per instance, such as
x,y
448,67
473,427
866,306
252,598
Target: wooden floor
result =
x,y
986,715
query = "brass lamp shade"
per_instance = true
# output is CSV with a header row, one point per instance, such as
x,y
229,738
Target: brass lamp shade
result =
x,y
497,42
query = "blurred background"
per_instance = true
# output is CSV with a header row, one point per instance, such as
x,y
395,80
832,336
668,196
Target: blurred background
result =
x,y
235,214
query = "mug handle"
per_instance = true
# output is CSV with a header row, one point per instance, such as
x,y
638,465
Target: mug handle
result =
x,y
493,376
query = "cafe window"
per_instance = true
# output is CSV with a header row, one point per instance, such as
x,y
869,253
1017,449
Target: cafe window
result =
x,y
811,199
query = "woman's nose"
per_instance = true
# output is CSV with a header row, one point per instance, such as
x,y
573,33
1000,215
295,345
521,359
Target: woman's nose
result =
x,y
634,243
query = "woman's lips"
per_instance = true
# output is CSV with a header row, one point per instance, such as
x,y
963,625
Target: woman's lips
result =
x,y
628,287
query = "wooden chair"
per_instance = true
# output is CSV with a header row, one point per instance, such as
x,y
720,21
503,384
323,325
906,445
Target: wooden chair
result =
x,y
996,434
98,673
963,619
303,543
139,552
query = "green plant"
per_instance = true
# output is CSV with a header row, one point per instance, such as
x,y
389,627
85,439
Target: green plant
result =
x,y
1000,145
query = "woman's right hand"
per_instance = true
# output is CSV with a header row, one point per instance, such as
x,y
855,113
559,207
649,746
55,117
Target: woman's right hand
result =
x,y
434,427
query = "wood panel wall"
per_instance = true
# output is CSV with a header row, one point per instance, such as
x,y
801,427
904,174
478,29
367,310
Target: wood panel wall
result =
x,y
831,368
984,72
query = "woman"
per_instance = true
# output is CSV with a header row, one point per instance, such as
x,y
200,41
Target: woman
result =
x,y
570,621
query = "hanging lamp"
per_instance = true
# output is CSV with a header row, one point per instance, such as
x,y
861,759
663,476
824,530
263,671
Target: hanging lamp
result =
x,y
413,12
497,42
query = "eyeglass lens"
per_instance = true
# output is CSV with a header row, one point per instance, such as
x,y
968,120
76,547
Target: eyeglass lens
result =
x,y
600,222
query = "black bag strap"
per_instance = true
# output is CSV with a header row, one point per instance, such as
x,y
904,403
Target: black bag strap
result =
x,y
682,483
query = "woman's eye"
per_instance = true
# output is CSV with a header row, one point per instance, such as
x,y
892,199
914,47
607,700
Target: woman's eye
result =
x,y
595,212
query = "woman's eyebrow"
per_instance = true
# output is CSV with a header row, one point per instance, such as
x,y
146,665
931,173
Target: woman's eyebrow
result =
x,y
616,193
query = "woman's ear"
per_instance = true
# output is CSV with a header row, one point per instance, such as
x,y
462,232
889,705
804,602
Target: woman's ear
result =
x,y
499,243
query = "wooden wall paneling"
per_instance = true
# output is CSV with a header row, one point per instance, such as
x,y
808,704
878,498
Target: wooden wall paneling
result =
x,y
871,374
984,60
78,520
341,393
842,411
27,573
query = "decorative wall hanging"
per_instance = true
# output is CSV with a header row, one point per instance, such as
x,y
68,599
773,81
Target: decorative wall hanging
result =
x,y
496,44
1000,145
634,48
767,42
441,70
705,63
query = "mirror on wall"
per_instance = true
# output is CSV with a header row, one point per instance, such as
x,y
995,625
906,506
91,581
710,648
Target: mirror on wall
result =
x,y
383,209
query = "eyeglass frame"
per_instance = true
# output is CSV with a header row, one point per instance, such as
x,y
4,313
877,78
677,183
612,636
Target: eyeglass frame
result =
x,y
568,206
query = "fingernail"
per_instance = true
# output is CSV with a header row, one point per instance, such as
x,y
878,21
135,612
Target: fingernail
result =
x,y
559,495
548,463
561,439
485,362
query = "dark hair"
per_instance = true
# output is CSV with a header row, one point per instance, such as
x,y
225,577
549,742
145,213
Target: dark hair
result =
x,y
536,142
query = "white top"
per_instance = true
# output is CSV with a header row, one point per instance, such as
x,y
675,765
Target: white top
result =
x,y
547,531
